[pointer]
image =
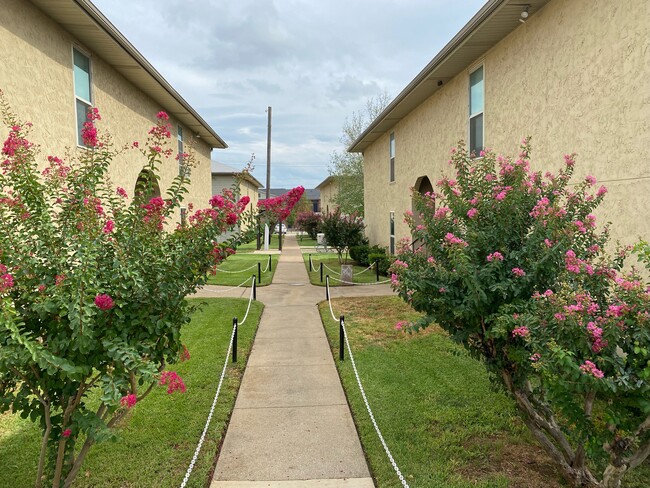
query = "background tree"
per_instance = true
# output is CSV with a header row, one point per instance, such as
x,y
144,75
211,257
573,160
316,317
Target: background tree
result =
x,y
348,167
303,205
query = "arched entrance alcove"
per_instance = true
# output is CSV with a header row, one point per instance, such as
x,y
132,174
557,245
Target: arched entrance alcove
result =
x,y
147,185
422,186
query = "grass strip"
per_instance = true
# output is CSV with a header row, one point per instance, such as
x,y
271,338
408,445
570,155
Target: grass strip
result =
x,y
442,420
360,274
158,438
238,267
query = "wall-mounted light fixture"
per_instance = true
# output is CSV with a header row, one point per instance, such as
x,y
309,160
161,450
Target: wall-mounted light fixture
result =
x,y
524,14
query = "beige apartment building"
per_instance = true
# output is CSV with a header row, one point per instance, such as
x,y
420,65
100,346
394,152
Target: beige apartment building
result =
x,y
328,188
60,57
226,177
573,74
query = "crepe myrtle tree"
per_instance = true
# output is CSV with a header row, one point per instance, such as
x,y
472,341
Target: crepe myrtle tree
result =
x,y
513,268
93,286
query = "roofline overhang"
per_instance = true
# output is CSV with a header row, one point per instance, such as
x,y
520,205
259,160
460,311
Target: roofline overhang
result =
x,y
188,116
426,83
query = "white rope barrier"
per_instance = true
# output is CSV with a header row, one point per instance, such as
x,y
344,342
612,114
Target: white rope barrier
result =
x,y
214,404
250,300
237,272
368,268
234,287
361,284
327,267
363,392
268,263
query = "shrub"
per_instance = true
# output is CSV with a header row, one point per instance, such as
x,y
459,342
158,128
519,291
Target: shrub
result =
x,y
382,259
92,288
342,231
308,222
513,268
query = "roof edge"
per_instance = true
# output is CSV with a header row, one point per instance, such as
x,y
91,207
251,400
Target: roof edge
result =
x,y
94,13
483,14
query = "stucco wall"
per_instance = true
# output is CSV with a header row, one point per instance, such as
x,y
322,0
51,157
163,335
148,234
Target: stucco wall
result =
x,y
37,80
327,194
576,77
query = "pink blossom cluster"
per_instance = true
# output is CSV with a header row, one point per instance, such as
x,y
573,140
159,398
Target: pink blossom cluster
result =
x,y
89,131
401,324
452,239
398,265
173,382
598,343
573,264
12,147
441,213
590,368
471,213
6,279
129,400
280,207
57,170
394,280
121,192
109,226
154,212
495,256
104,302
520,331
518,272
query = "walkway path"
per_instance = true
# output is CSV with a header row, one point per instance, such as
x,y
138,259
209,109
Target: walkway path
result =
x,y
291,426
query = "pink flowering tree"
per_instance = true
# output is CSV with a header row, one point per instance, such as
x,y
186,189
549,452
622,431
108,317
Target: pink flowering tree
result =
x,y
502,251
277,209
92,286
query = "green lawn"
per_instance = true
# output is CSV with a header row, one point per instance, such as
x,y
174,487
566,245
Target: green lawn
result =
x,y
332,268
239,267
306,241
442,421
158,438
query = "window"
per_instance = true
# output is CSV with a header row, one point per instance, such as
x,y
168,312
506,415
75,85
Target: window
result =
x,y
391,247
391,166
82,91
180,149
476,102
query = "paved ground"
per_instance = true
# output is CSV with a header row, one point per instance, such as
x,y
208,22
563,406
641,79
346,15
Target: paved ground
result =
x,y
291,426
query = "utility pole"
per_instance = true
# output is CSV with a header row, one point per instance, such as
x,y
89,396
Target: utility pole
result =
x,y
268,156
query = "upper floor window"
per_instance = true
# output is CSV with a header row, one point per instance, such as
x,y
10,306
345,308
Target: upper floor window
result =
x,y
82,89
391,165
180,149
476,103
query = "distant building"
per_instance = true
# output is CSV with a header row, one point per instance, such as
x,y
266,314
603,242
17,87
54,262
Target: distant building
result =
x,y
573,74
328,188
62,57
227,177
313,195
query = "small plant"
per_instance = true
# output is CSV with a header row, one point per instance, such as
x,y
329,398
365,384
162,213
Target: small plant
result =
x,y
308,222
512,266
342,232
93,286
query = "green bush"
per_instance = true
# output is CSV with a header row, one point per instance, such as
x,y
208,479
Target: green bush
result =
x,y
382,258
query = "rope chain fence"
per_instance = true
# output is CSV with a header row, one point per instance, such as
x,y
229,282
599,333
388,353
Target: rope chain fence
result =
x,y
216,396
237,272
363,393
360,284
234,287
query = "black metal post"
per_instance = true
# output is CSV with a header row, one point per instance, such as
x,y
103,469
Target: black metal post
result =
x,y
259,272
341,338
327,286
254,288
234,340
311,266
270,263
321,272
377,268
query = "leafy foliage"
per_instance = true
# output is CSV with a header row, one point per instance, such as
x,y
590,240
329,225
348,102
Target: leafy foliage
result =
x,y
93,287
309,222
342,231
348,167
512,266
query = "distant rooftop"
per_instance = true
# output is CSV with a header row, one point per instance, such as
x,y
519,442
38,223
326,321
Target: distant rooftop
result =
x,y
223,169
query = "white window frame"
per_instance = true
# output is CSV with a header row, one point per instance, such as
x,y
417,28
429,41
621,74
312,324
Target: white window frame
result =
x,y
471,115
391,158
391,223
88,103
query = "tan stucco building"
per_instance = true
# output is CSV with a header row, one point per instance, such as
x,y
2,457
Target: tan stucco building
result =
x,y
328,188
226,177
61,57
573,74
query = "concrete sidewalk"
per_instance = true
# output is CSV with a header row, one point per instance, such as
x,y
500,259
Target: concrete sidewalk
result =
x,y
291,426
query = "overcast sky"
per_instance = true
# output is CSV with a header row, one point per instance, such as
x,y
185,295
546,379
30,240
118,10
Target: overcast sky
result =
x,y
314,62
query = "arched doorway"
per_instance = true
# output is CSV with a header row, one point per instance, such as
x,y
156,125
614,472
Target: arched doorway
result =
x,y
147,185
422,186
